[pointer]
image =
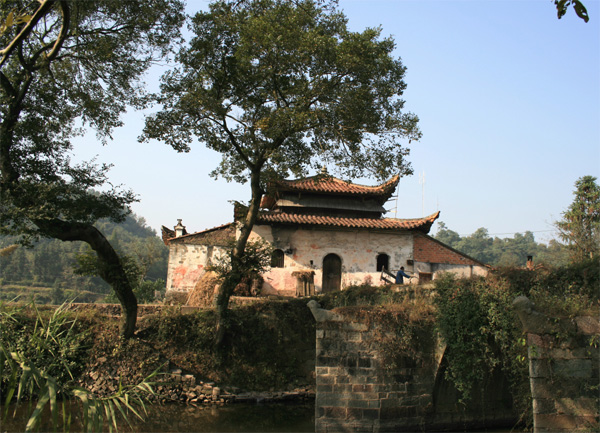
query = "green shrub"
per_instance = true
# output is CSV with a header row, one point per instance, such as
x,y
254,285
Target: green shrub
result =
x,y
360,295
41,355
476,319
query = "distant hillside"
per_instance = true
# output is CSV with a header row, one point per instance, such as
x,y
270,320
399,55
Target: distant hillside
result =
x,y
48,265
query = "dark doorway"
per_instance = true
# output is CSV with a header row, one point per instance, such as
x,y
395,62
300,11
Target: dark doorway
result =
x,y
383,262
332,273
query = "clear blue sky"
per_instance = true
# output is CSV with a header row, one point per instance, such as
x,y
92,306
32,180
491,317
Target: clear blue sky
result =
x,y
508,98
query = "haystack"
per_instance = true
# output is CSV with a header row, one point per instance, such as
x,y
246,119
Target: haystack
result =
x,y
204,291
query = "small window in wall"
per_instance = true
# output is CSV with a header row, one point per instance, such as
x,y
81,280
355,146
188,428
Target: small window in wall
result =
x,y
277,259
425,277
383,261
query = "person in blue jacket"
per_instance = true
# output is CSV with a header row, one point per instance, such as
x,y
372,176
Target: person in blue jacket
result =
x,y
401,275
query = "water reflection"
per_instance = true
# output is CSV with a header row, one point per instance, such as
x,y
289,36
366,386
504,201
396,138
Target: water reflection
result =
x,y
232,418
239,418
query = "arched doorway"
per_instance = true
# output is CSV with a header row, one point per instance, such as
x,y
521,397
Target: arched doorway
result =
x,y
383,262
332,273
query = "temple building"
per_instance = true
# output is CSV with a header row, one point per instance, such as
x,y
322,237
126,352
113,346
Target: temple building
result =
x,y
327,234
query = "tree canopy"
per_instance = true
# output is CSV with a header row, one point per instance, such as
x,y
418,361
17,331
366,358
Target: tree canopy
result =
x,y
580,226
67,65
504,252
280,87
79,66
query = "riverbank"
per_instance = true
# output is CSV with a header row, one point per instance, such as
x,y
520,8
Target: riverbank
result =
x,y
270,355
271,344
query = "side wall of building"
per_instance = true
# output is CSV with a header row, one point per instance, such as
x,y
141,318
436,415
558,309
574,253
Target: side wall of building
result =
x,y
187,263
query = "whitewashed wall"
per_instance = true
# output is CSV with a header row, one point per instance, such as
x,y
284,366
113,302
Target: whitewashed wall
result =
x,y
187,263
357,249
306,249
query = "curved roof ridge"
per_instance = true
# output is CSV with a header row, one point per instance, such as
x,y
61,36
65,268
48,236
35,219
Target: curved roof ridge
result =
x,y
432,217
331,184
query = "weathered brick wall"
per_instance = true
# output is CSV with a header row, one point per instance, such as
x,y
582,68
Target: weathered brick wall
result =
x,y
563,370
358,392
187,264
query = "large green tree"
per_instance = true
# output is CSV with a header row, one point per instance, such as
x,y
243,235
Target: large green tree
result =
x,y
67,65
580,226
278,87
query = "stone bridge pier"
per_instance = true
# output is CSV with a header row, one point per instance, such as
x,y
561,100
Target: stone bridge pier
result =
x,y
358,392
564,359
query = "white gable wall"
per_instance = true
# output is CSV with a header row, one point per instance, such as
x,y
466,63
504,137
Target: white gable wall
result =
x,y
187,263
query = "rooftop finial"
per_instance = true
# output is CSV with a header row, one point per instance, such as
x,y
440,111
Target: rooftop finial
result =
x,y
179,228
324,170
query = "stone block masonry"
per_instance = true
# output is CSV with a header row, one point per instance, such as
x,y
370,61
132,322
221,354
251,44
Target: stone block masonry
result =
x,y
362,388
563,370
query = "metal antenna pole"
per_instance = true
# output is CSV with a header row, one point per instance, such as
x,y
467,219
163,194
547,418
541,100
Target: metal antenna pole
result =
x,y
397,195
422,182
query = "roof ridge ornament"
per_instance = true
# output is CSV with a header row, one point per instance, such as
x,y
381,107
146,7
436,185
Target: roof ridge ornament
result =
x,y
179,228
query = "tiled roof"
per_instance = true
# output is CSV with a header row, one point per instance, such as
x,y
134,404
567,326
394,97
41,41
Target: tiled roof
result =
x,y
166,234
333,185
422,224
431,250
220,235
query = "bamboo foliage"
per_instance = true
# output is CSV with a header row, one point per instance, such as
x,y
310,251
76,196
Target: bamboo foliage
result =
x,y
31,385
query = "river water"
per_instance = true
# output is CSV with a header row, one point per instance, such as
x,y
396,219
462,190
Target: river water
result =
x,y
234,418
239,418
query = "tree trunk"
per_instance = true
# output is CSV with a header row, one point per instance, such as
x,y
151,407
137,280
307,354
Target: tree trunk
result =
x,y
110,267
235,276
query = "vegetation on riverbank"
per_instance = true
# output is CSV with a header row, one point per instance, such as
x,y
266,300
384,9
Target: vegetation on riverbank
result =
x,y
272,342
476,318
41,356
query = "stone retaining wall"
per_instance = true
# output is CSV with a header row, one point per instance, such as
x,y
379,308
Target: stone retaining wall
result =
x,y
358,391
145,309
563,370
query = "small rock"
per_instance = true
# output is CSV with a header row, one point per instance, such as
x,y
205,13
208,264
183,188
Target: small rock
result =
x,y
189,378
